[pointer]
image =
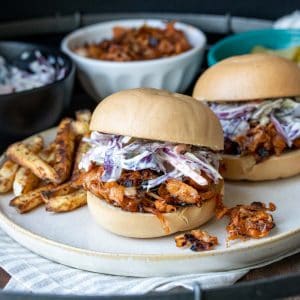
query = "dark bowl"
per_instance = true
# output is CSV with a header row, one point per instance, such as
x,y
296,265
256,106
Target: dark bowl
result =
x,y
27,112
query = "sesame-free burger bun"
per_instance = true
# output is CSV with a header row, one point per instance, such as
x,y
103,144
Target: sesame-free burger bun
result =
x,y
274,167
158,115
147,225
249,77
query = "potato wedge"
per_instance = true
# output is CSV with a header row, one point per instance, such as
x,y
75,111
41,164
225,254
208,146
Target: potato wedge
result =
x,y
48,154
35,143
7,175
20,154
9,168
60,190
64,150
82,123
80,128
68,202
29,201
83,115
82,148
25,181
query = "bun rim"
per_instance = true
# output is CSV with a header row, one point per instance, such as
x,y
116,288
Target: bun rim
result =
x,y
147,225
275,167
249,77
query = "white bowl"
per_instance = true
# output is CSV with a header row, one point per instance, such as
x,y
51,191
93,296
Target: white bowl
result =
x,y
101,78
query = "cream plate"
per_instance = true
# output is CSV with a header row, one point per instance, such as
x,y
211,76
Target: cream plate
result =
x,y
74,239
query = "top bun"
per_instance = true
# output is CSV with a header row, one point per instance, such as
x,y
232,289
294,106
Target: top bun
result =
x,y
158,115
249,77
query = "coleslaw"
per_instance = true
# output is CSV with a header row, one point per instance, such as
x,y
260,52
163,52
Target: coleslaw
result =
x,y
284,113
40,71
170,160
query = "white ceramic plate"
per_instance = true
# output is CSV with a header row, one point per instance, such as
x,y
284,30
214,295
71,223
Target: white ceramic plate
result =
x,y
74,239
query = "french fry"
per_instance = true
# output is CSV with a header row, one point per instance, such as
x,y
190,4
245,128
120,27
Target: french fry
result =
x,y
80,128
48,154
35,143
81,150
25,181
83,115
64,151
68,202
20,154
29,201
9,168
60,190
81,125
7,175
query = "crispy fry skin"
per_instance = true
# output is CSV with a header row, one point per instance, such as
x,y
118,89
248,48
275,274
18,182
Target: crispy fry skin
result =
x,y
60,190
25,181
83,115
20,154
64,151
48,154
7,175
29,201
81,150
67,202
82,123
35,144
9,168
80,128
197,240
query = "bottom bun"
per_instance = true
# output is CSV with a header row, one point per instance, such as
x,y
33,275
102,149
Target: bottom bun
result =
x,y
147,225
275,167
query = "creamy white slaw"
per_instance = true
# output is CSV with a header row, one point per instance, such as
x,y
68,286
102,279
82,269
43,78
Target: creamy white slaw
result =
x,y
284,113
117,152
40,71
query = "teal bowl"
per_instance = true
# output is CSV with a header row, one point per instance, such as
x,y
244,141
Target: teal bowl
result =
x,y
243,43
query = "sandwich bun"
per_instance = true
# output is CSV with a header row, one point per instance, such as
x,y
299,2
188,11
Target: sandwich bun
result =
x,y
147,225
275,167
245,78
249,77
158,115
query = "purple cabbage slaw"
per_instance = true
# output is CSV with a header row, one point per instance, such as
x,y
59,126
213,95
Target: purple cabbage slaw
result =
x,y
117,152
41,71
284,113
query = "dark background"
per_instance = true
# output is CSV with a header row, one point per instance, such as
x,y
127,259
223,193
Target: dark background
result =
x,y
265,9
16,10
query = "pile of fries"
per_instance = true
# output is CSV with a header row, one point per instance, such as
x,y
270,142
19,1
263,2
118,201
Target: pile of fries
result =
x,y
39,174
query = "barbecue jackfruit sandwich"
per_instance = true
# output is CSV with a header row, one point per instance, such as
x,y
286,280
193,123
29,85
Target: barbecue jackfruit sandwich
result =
x,y
256,98
152,166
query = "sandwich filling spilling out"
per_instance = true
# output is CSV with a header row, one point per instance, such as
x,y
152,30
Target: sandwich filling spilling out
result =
x,y
260,128
147,176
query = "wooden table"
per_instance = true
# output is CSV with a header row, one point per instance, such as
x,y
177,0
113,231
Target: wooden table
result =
x,y
285,266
